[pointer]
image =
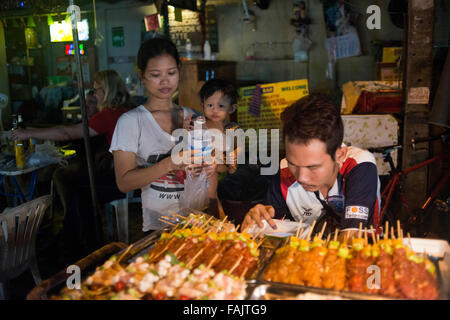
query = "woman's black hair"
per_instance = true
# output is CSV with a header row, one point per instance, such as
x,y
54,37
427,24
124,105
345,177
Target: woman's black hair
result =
x,y
154,48
214,85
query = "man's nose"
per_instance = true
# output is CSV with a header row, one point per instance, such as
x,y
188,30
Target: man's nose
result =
x,y
303,175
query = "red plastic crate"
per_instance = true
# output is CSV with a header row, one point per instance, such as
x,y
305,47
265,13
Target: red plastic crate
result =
x,y
379,102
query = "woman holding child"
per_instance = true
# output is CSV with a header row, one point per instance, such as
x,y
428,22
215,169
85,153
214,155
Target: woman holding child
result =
x,y
143,140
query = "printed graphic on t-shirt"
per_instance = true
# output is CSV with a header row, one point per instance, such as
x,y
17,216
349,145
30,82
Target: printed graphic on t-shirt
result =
x,y
307,212
171,182
356,212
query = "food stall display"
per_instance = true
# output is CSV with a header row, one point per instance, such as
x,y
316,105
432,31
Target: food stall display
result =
x,y
201,257
198,259
339,266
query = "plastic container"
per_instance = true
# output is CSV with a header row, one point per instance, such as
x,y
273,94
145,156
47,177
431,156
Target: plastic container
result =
x,y
200,139
188,49
207,50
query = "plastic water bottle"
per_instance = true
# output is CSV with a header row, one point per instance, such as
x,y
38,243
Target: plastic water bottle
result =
x,y
196,184
200,139
188,49
207,50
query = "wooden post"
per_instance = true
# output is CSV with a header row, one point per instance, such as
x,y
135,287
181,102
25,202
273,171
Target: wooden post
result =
x,y
417,83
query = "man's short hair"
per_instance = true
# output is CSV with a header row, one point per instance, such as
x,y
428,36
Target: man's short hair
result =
x,y
313,117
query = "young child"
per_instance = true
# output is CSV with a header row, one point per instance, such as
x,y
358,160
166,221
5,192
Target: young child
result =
x,y
219,99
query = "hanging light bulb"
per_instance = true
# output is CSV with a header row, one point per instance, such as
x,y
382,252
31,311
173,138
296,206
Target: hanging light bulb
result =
x,y
49,19
30,22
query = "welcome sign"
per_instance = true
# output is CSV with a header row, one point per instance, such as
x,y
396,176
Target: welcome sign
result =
x,y
275,97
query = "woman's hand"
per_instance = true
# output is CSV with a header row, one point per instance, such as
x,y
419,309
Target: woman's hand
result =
x,y
210,168
20,134
187,123
183,160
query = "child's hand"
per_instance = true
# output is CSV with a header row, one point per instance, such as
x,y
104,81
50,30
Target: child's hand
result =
x,y
187,123
210,168
231,161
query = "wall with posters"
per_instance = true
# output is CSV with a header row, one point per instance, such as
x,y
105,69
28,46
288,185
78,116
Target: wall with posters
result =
x,y
112,22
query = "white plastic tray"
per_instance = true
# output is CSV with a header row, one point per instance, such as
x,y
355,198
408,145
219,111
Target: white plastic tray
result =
x,y
434,247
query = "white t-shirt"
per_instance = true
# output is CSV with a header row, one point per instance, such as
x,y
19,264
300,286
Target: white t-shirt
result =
x,y
138,132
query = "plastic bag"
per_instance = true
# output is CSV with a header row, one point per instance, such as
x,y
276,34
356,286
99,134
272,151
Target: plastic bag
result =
x,y
45,154
195,191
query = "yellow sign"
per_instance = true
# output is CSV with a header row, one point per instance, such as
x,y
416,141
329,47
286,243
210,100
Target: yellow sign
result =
x,y
275,97
391,54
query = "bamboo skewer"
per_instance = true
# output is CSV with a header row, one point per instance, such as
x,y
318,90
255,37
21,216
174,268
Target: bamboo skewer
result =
x,y
161,252
360,230
236,264
167,222
205,226
409,240
194,258
336,234
323,230
378,238
260,243
392,233
126,251
366,242
187,223
220,225
311,230
257,234
328,240
373,235
173,213
179,249
298,228
244,272
216,256
399,231
386,230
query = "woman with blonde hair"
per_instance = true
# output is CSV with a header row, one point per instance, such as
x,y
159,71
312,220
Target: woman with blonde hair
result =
x,y
113,100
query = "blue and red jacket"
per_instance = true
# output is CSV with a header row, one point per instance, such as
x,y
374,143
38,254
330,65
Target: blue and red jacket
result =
x,y
354,197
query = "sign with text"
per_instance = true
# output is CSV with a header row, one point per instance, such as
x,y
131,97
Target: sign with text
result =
x,y
190,28
275,97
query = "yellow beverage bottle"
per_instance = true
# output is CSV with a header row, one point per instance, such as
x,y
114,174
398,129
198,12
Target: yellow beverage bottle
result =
x,y
31,146
20,154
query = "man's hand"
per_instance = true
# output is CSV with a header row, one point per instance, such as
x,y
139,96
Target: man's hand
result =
x,y
257,214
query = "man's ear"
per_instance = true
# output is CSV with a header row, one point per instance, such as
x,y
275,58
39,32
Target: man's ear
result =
x,y
340,154
232,108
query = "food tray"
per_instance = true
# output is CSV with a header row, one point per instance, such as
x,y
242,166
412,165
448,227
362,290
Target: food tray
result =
x,y
282,291
289,291
267,249
433,247
88,264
